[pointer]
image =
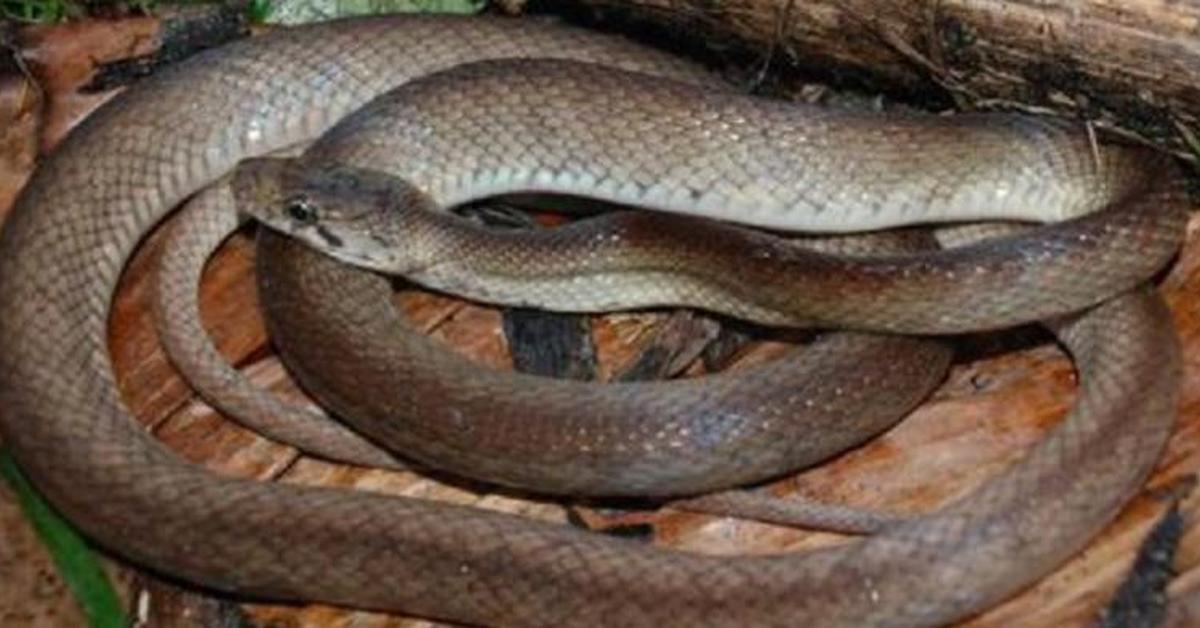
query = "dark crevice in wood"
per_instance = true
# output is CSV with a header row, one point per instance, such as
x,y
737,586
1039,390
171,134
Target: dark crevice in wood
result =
x,y
1142,598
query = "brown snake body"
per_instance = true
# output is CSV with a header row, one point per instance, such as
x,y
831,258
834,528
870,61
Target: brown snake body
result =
x,y
816,430
341,336
118,174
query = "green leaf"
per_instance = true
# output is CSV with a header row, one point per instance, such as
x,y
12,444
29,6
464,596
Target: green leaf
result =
x,y
34,11
75,561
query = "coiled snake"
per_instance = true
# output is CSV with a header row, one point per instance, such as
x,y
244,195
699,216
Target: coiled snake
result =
x,y
121,171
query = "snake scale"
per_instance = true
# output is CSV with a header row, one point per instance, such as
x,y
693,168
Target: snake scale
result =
x,y
122,170
691,435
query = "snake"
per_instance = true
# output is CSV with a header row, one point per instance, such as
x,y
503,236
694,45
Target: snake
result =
x,y
912,368
636,440
840,391
121,171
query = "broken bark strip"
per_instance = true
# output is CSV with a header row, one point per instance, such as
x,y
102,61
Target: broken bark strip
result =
x,y
183,32
1131,65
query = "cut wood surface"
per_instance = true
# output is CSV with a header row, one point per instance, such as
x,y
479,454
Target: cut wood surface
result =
x,y
986,413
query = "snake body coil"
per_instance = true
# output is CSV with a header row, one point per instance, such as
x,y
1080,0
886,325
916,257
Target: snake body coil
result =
x,y
120,172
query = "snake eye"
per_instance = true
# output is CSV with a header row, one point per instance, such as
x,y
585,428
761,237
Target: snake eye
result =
x,y
301,210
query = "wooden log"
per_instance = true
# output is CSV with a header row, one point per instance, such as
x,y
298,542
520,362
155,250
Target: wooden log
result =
x,y
1131,65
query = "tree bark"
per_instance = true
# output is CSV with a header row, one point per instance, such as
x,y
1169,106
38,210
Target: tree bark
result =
x,y
1133,65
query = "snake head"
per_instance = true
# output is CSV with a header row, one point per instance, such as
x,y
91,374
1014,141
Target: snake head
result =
x,y
363,217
